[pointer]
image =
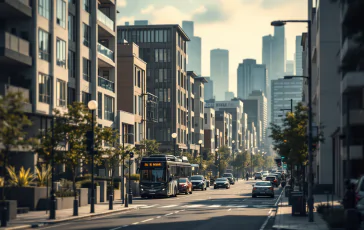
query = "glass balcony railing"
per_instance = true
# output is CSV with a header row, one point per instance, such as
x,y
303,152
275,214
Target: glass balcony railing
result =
x,y
106,84
105,51
105,20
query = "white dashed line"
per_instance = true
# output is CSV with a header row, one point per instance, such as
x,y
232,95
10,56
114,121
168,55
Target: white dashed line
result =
x,y
229,210
119,227
169,206
147,220
176,212
135,223
169,214
158,217
215,206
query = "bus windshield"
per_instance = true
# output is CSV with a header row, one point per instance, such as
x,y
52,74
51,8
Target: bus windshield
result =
x,y
153,175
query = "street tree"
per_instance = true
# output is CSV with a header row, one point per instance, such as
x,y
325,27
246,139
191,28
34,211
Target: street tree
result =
x,y
151,146
291,140
13,125
241,161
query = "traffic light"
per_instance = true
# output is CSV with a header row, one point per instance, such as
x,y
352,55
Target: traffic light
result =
x,y
278,162
131,154
89,140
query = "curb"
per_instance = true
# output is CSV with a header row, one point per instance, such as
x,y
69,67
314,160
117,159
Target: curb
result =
x,y
46,223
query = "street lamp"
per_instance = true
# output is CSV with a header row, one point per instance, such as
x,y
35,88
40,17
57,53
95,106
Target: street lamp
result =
x,y
123,171
233,149
200,143
309,82
174,136
92,106
217,170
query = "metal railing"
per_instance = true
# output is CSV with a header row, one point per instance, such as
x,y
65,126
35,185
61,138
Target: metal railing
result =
x,y
106,84
105,51
105,20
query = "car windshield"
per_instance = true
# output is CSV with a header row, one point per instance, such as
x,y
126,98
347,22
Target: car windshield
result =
x,y
153,175
228,175
262,184
258,174
196,178
221,179
182,180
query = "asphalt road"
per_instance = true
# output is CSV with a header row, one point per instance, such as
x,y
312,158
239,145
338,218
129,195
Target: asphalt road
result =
x,y
232,208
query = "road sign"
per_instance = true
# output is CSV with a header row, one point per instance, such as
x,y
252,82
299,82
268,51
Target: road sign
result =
x,y
284,166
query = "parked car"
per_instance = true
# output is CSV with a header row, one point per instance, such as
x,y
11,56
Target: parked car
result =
x,y
198,182
273,179
264,188
258,176
229,175
184,186
222,183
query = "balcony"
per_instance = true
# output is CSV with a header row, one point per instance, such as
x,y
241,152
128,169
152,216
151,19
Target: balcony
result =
x,y
106,26
107,2
356,117
348,49
6,88
15,9
352,11
352,81
14,51
106,56
106,84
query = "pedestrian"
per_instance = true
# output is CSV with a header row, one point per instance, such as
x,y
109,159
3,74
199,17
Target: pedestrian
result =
x,y
349,200
247,176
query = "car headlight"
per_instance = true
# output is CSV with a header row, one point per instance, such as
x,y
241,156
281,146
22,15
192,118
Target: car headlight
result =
x,y
201,182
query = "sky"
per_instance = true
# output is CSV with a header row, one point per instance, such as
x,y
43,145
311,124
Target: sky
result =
x,y
236,25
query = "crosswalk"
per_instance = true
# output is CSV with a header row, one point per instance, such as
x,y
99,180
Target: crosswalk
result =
x,y
193,206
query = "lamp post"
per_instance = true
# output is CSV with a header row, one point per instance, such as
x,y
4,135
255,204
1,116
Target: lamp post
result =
x,y
92,106
123,173
217,170
130,196
291,109
200,143
174,136
52,212
233,149
309,81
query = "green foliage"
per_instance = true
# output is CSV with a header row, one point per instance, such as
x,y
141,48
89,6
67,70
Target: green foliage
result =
x,y
43,175
151,147
21,179
87,184
258,161
64,193
66,184
241,160
290,140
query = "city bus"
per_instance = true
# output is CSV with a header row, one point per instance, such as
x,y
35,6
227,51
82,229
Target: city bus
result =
x,y
159,175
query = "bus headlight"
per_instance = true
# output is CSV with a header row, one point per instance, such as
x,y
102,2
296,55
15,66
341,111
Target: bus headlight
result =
x,y
141,189
163,189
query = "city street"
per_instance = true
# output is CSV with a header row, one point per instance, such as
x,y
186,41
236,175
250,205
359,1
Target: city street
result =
x,y
232,208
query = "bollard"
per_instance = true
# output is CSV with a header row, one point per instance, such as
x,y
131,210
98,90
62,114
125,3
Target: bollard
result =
x,y
111,197
4,214
75,207
126,201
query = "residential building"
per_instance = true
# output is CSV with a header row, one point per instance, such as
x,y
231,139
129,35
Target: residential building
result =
x,y
209,89
209,127
58,51
223,122
163,48
263,115
289,68
298,56
251,76
199,105
229,96
132,97
219,71
193,48
283,90
235,108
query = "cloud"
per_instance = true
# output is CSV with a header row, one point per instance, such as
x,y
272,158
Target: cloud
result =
x,y
210,14
168,15
149,9
200,10
121,3
269,4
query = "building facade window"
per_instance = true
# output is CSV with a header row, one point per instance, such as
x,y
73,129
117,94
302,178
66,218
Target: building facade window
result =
x,y
86,6
99,107
86,35
61,13
44,45
61,93
61,53
109,108
86,66
44,87
86,97
71,28
71,64
162,55
43,8
71,95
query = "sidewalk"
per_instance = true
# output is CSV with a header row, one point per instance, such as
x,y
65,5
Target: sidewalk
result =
x,y
285,221
40,218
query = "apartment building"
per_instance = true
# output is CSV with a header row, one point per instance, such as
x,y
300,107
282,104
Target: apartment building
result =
x,y
199,109
132,97
163,48
60,52
223,122
210,135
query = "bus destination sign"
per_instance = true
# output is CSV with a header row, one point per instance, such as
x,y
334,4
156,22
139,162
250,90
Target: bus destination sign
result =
x,y
153,164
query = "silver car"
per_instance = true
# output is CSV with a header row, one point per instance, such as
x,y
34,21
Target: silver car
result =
x,y
264,188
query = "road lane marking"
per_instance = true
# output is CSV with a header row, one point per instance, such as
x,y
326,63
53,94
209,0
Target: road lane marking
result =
x,y
149,206
135,223
215,206
229,210
176,212
242,206
193,206
169,206
147,220
266,221
169,214
158,217
118,227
